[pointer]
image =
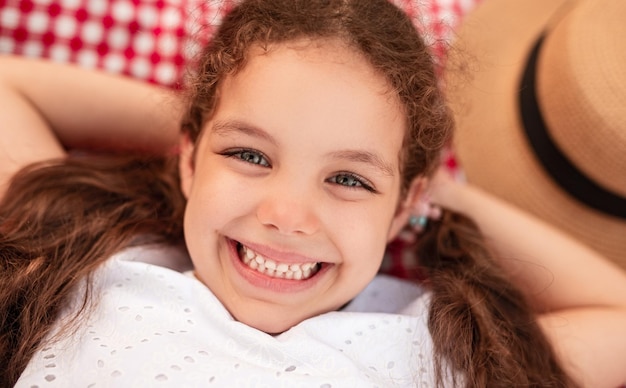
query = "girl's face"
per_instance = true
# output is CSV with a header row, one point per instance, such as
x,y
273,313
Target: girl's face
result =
x,y
295,184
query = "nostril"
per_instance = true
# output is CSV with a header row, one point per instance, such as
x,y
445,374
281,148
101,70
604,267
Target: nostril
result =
x,y
287,217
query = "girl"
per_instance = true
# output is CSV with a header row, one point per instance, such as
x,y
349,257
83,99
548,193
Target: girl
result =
x,y
307,144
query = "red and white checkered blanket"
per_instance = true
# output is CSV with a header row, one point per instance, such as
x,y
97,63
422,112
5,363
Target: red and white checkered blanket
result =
x,y
152,40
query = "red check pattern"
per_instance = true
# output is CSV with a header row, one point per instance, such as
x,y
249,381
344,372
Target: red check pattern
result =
x,y
152,40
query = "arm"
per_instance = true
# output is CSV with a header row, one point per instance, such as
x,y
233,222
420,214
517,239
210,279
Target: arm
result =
x,y
47,108
581,295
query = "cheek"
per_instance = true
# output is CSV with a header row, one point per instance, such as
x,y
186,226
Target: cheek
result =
x,y
364,235
215,200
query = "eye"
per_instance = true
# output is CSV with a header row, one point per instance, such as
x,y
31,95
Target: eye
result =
x,y
351,181
248,156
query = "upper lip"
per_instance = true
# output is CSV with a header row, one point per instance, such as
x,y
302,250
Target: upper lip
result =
x,y
279,255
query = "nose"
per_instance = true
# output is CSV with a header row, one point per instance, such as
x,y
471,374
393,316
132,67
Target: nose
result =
x,y
289,210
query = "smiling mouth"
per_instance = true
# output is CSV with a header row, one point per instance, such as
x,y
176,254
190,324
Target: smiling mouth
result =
x,y
274,269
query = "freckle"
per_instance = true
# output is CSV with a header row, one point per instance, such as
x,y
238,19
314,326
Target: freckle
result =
x,y
236,366
100,364
202,352
160,377
145,340
128,347
326,386
157,334
176,367
348,342
113,352
148,307
211,379
119,285
187,310
50,377
46,348
138,318
189,359
390,365
372,327
49,356
53,365
359,333
189,321
290,368
116,373
123,308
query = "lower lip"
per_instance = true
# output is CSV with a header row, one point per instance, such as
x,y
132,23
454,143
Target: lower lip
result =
x,y
265,282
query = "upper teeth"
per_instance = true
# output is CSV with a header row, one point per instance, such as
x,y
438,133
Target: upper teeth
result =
x,y
277,270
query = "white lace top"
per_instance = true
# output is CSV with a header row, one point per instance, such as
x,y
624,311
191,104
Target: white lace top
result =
x,y
154,327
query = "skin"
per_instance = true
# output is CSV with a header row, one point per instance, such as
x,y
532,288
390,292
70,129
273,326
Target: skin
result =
x,y
319,182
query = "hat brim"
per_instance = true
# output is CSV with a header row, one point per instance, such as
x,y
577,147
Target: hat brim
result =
x,y
486,63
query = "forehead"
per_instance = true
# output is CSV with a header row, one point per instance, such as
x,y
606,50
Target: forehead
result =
x,y
339,71
332,57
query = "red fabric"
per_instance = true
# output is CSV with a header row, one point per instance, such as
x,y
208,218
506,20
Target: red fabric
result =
x,y
152,40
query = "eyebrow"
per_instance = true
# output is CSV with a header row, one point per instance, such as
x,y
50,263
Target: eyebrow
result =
x,y
365,157
224,128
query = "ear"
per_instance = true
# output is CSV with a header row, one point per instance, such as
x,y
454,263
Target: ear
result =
x,y
186,164
407,206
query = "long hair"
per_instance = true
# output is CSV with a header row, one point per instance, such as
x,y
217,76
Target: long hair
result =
x,y
60,221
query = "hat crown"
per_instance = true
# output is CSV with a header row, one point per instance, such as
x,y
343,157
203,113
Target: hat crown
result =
x,y
581,90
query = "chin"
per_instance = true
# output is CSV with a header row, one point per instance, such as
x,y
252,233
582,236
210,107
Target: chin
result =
x,y
260,322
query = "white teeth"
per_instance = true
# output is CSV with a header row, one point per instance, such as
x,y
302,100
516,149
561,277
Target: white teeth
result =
x,y
277,270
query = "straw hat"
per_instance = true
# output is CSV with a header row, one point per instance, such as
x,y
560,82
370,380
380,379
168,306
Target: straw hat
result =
x,y
557,149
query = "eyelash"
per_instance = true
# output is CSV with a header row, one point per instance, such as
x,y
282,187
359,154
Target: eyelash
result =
x,y
361,183
240,152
